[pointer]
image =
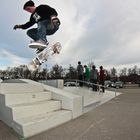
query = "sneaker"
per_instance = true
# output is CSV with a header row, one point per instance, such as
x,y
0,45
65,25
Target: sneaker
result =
x,y
42,45
42,42
38,44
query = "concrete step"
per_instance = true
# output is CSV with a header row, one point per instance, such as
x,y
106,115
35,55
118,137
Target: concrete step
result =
x,y
20,88
30,109
35,124
15,98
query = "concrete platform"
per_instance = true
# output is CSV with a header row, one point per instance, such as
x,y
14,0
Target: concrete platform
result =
x,y
118,119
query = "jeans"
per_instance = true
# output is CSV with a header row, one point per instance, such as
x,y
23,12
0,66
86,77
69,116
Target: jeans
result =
x,y
43,28
80,77
102,83
94,86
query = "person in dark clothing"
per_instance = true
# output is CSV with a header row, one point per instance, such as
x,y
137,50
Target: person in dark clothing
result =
x,y
94,77
102,77
80,73
46,19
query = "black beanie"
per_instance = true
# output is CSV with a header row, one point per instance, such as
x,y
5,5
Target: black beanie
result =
x,y
28,3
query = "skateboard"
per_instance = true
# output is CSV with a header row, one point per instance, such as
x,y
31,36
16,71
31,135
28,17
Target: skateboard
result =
x,y
43,56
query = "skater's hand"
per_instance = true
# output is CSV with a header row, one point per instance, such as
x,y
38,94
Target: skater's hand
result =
x,y
17,27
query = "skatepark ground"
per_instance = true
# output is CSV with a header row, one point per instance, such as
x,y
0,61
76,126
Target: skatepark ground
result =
x,y
117,119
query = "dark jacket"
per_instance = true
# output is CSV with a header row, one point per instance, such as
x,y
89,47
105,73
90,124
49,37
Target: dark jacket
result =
x,y
102,75
41,13
80,69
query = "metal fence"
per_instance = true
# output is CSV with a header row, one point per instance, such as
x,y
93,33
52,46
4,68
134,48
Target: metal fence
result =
x,y
90,84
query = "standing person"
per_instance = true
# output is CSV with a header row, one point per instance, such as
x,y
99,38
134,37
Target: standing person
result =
x,y
94,77
46,19
87,74
102,77
80,73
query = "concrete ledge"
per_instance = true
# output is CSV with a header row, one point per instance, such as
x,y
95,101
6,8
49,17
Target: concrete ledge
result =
x,y
58,83
5,112
69,101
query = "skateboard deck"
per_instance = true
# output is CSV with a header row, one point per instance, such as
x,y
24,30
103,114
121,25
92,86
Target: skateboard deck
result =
x,y
43,56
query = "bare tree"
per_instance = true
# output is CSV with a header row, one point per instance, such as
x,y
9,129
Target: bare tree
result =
x,y
56,71
123,72
113,72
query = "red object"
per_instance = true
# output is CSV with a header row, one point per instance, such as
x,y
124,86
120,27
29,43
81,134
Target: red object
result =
x,y
102,75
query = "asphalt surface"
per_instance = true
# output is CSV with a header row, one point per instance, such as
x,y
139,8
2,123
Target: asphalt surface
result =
x,y
118,119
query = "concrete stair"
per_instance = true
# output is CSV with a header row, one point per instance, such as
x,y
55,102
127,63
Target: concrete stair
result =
x,y
22,98
38,123
32,110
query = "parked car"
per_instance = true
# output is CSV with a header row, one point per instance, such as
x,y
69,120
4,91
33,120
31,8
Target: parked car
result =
x,y
70,84
117,84
108,83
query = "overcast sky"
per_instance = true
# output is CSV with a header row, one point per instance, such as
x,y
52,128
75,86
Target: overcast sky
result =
x,y
106,32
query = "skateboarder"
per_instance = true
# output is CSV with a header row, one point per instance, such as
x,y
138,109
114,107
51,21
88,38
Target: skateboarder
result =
x,y
46,19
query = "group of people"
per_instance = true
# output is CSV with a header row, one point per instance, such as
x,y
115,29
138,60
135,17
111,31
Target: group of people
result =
x,y
91,75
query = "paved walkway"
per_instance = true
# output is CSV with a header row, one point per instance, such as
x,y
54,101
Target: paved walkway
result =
x,y
118,119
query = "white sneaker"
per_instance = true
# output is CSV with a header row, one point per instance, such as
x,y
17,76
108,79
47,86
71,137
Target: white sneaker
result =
x,y
38,44
42,42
